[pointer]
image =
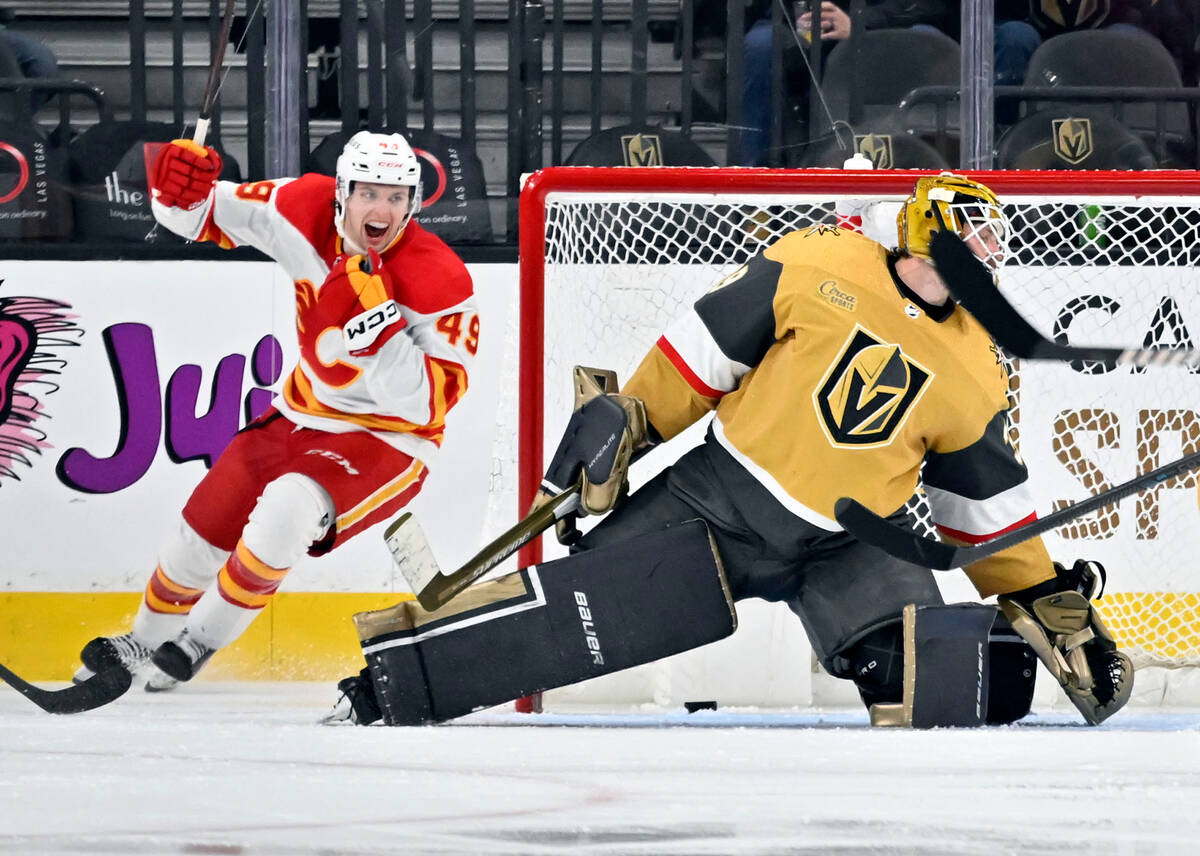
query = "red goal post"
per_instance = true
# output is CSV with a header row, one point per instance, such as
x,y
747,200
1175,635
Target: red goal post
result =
x,y
1106,258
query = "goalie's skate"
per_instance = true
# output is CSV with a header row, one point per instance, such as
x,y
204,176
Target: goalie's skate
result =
x,y
181,658
357,704
104,652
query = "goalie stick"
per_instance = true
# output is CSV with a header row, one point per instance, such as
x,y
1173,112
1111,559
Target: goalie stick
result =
x,y
97,691
910,546
973,287
433,587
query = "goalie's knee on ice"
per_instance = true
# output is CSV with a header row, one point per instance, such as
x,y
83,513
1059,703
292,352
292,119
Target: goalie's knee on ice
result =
x,y
960,665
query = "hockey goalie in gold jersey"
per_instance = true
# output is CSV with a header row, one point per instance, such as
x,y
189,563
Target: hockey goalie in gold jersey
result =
x,y
839,367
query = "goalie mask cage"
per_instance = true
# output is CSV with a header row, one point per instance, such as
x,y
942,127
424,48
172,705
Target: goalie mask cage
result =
x,y
609,257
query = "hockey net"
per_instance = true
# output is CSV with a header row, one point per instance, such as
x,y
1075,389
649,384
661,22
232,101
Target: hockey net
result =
x,y
610,256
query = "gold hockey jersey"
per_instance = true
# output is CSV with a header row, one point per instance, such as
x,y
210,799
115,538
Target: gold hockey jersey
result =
x,y
830,378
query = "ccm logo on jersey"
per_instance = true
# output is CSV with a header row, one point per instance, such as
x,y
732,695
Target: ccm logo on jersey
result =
x,y
363,329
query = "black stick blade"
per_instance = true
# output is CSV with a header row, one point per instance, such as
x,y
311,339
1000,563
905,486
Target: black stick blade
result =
x,y
97,691
894,540
972,286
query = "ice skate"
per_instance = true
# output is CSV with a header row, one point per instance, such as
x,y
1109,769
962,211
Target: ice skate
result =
x,y
181,658
158,681
104,652
357,704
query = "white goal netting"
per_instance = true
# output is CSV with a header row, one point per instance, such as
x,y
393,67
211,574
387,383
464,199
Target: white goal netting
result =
x,y
1110,262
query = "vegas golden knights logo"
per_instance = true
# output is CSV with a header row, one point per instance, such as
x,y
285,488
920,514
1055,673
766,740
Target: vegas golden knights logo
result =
x,y
642,150
1055,15
868,392
877,147
1072,139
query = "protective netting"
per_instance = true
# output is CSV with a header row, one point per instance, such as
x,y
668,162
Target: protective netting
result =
x,y
1112,271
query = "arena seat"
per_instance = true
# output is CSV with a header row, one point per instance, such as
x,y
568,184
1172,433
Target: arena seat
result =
x,y
110,192
629,145
34,202
887,146
1118,58
864,83
454,205
14,105
1071,137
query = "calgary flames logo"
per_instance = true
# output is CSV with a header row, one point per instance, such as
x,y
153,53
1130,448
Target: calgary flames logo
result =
x,y
868,392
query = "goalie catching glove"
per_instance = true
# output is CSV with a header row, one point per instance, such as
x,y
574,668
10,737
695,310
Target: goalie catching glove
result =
x,y
605,431
1057,619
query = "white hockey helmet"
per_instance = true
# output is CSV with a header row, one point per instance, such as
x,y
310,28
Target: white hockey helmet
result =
x,y
378,159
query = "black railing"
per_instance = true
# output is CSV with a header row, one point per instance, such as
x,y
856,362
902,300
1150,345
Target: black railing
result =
x,y
517,84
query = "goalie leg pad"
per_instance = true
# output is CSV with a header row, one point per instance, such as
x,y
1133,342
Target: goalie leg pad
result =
x,y
955,658
549,625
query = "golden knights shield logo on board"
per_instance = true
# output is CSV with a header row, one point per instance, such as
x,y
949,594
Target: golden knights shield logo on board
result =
x,y
642,150
1072,139
877,147
868,392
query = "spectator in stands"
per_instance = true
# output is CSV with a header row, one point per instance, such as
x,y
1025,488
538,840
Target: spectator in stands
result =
x,y
835,25
34,58
1022,25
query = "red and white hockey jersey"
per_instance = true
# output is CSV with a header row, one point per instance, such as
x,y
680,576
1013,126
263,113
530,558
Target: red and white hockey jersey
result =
x,y
391,362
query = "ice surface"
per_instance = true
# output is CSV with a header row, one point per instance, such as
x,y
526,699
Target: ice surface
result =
x,y
244,769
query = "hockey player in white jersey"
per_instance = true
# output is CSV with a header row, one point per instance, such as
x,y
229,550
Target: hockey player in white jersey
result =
x,y
387,328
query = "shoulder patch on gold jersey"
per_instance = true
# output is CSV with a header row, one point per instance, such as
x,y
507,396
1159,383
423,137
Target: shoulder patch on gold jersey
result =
x,y
868,392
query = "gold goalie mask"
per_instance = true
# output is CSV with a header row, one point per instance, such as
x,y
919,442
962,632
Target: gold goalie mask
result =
x,y
954,202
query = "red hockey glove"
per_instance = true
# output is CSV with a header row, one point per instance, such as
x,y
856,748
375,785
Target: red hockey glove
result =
x,y
365,276
377,317
184,174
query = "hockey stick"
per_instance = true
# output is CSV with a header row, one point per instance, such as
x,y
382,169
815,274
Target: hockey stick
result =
x,y
215,77
433,587
972,286
903,543
212,87
97,691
